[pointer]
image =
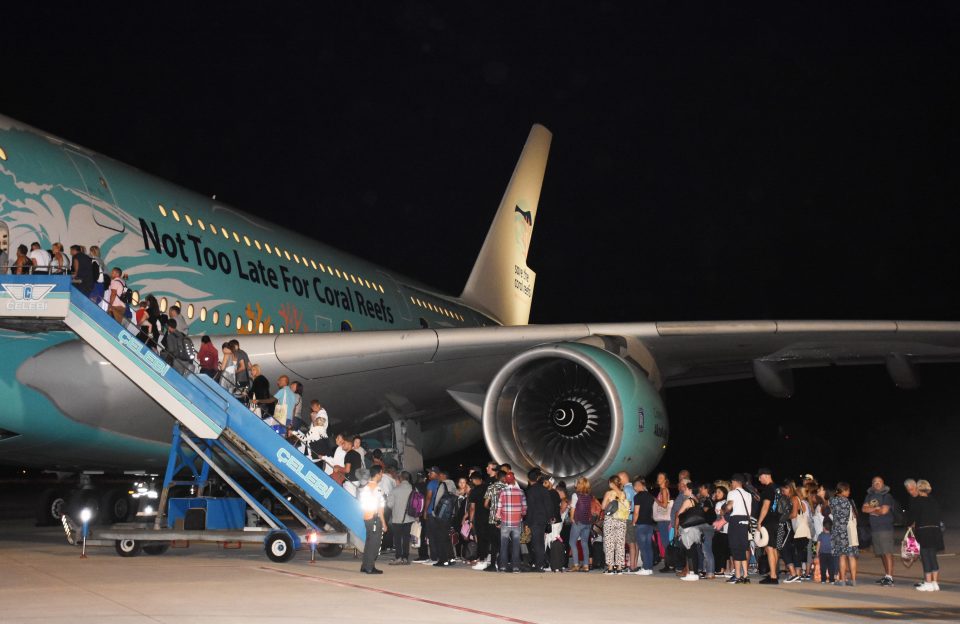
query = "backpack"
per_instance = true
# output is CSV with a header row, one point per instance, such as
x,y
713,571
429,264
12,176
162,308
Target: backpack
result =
x,y
443,510
187,350
415,503
126,295
581,513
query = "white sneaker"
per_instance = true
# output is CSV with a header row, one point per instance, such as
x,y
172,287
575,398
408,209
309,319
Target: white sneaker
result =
x,y
691,576
928,587
480,565
645,572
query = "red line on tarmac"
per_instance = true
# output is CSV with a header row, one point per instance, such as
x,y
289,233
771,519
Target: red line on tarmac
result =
x,y
387,592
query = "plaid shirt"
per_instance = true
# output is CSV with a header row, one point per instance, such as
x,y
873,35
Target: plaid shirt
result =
x,y
493,495
512,507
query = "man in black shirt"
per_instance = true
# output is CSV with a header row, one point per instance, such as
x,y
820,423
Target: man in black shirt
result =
x,y
538,515
644,525
351,461
82,270
769,519
478,515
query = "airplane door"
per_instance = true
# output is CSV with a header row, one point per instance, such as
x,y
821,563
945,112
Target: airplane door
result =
x,y
323,324
98,188
393,290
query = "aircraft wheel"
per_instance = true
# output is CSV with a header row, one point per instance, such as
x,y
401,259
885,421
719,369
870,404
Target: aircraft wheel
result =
x,y
279,547
128,547
52,505
157,548
330,550
115,506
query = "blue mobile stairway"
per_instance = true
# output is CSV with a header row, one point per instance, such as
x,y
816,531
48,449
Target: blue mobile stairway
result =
x,y
219,429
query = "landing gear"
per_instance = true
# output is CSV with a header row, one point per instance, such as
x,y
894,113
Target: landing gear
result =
x,y
115,506
279,547
52,505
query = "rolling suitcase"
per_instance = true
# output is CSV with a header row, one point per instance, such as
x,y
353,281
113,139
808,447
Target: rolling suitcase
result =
x,y
558,555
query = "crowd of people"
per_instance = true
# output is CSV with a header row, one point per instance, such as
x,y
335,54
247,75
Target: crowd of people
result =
x,y
788,532
703,531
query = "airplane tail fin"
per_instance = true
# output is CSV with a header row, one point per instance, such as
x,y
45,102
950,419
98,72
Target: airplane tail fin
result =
x,y
501,284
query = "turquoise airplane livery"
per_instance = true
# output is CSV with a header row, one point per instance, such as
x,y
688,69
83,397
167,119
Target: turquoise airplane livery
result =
x,y
417,371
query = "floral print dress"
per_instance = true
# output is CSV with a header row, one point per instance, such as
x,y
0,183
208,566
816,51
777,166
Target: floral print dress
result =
x,y
840,509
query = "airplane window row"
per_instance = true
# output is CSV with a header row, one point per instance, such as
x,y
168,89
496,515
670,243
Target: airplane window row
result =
x,y
274,250
426,305
229,321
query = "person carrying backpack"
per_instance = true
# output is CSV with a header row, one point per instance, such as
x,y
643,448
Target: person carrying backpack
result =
x,y
180,351
115,296
442,514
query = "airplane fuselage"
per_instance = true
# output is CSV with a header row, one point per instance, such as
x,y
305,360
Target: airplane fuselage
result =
x,y
231,274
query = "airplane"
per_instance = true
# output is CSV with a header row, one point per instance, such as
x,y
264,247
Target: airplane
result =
x,y
427,372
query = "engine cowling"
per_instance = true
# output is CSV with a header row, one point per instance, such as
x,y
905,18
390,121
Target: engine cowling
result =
x,y
574,410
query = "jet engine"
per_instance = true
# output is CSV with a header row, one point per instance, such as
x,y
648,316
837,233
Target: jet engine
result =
x,y
574,410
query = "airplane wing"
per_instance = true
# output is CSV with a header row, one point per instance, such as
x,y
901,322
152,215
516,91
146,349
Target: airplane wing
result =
x,y
672,354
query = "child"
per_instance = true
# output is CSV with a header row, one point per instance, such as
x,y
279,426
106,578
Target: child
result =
x,y
828,564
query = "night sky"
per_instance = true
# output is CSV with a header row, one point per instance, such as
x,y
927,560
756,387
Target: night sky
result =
x,y
707,163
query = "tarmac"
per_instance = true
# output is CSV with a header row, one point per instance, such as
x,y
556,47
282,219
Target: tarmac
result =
x,y
45,580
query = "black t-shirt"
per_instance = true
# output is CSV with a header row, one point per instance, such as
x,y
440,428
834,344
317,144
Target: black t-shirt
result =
x,y
644,500
260,388
353,458
481,513
769,493
84,272
554,505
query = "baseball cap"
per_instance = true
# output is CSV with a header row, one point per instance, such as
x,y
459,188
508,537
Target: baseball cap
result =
x,y
434,469
510,479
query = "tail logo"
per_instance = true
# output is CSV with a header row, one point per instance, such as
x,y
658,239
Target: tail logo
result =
x,y
525,214
523,222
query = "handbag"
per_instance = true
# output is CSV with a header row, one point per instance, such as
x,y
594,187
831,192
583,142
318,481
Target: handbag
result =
x,y
852,536
692,517
470,550
719,523
662,514
415,530
280,413
611,507
465,529
909,548
526,535
801,524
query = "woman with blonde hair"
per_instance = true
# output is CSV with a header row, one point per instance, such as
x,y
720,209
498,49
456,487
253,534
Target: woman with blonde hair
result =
x,y
661,515
581,519
616,510
927,519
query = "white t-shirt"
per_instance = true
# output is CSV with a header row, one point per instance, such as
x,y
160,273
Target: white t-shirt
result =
x,y
117,286
741,502
719,509
42,259
387,484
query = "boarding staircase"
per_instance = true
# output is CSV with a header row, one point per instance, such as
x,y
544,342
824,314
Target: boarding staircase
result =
x,y
218,422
